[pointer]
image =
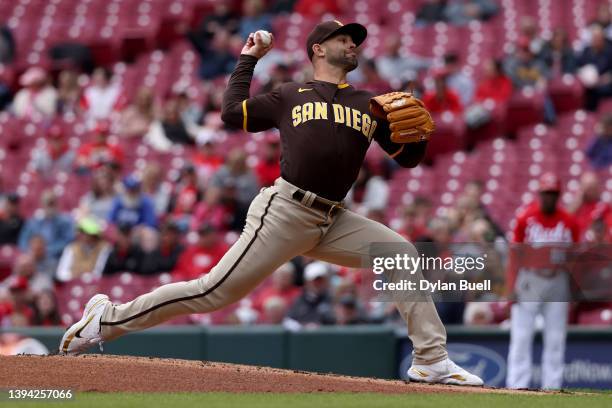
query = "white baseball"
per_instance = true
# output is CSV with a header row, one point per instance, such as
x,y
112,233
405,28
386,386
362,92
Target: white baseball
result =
x,y
264,36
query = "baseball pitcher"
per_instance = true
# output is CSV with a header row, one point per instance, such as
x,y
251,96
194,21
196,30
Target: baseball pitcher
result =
x,y
326,127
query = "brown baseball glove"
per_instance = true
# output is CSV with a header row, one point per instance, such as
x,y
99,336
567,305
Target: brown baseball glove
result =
x,y
408,118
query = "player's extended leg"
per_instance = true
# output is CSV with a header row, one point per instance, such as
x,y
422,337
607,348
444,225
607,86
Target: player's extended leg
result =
x,y
347,241
522,329
554,333
276,230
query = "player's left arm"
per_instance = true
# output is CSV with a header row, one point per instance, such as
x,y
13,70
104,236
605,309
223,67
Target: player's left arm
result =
x,y
405,154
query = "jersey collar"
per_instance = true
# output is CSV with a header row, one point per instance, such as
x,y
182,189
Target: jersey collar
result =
x,y
339,86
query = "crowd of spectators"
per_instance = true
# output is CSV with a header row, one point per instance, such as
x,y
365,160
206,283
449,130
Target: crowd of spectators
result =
x,y
147,223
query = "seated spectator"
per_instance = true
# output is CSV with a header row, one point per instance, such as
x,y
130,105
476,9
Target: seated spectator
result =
x,y
495,84
273,311
347,311
86,254
603,20
206,159
599,151
236,173
44,264
137,117
125,255
217,59
212,38
442,98
279,74
185,196
268,168
559,54
394,67
98,152
18,311
529,35
461,83
370,191
132,207
432,11
37,99
198,259
414,222
463,11
55,156
211,113
103,96
222,16
589,205
189,109
596,69
524,68
254,17
527,70
219,208
56,228
372,81
600,230
69,93
494,87
170,130
11,221
441,231
163,257
154,186
46,312
282,287
474,190
317,8
98,201
25,267
314,305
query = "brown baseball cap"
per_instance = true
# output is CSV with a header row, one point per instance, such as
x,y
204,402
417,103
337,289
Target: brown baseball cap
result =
x,y
328,29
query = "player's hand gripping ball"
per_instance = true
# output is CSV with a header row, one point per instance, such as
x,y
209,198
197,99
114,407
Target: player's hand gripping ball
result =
x,y
258,44
408,119
266,37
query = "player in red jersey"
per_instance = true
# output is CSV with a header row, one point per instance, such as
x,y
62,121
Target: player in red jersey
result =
x,y
539,285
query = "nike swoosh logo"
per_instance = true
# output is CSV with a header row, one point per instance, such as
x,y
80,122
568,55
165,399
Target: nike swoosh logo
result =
x,y
421,373
78,332
300,90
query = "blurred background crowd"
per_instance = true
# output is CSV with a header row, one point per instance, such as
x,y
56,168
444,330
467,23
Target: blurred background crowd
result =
x,y
117,174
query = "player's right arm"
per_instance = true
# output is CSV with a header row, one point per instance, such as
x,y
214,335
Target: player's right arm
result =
x,y
239,110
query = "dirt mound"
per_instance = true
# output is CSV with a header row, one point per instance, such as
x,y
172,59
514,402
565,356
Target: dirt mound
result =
x,y
105,373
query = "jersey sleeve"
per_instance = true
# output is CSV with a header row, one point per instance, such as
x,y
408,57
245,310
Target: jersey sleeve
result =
x,y
251,114
261,112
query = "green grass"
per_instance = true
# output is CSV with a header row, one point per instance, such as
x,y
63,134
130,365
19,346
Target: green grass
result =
x,y
226,400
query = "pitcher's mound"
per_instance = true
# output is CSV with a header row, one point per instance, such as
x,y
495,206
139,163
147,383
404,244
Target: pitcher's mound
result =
x,y
105,373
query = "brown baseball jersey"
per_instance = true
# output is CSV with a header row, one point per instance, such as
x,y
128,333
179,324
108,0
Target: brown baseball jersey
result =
x,y
325,129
